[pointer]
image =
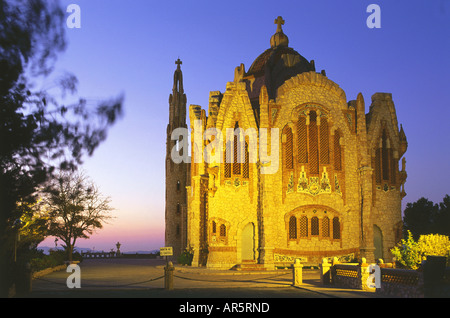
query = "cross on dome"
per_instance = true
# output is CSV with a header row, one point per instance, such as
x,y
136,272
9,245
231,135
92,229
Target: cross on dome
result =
x,y
279,38
279,22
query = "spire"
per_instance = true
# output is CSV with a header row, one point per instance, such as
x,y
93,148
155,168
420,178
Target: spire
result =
x,y
177,100
178,78
279,38
178,63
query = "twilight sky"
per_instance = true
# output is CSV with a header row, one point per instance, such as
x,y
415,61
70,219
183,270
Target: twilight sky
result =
x,y
130,47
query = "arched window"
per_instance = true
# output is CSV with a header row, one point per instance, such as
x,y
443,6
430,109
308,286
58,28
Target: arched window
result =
x,y
385,155
178,208
378,165
317,147
385,165
324,142
325,227
288,148
236,162
223,230
228,159
178,185
292,227
336,229
318,226
204,217
303,226
302,143
313,144
314,225
246,165
337,150
214,227
236,156
393,167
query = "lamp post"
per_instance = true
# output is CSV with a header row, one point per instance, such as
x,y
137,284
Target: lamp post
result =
x,y
22,274
118,248
16,226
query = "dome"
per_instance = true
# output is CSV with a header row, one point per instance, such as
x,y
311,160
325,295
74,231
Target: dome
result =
x,y
279,58
275,65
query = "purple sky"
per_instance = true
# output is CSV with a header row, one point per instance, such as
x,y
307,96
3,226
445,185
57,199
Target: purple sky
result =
x,y
130,47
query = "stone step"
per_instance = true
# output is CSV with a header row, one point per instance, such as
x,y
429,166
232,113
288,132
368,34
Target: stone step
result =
x,y
250,265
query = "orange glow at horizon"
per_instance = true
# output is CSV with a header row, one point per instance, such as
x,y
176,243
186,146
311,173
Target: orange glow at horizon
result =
x,y
133,236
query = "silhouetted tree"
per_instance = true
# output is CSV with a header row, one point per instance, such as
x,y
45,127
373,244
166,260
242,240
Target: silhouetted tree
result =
x,y
37,133
76,208
443,217
425,217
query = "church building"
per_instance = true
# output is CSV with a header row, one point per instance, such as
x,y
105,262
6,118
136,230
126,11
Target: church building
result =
x,y
327,183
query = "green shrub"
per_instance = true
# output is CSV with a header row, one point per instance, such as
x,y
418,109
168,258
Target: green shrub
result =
x,y
409,253
40,261
186,257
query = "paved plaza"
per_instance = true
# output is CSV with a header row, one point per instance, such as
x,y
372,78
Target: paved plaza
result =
x,y
144,278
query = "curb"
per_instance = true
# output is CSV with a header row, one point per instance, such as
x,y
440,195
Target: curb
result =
x,y
48,271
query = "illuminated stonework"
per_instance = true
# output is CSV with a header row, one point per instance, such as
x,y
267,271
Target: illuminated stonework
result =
x,y
338,175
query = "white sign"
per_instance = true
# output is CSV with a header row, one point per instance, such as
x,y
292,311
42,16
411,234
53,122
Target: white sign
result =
x,y
166,251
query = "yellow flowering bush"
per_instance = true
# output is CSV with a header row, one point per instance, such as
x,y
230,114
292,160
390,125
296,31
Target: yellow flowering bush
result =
x,y
410,253
434,244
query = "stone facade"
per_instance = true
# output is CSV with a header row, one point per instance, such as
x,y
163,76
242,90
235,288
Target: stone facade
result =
x,y
329,187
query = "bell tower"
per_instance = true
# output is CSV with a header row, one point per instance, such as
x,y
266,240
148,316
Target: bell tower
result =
x,y
176,173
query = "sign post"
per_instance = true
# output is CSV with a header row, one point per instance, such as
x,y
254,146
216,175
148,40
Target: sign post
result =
x,y
168,270
166,251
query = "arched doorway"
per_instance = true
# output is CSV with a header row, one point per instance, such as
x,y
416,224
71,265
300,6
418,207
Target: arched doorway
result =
x,y
378,242
248,242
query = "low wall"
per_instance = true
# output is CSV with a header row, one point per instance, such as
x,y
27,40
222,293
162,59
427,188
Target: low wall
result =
x,y
99,255
401,283
393,282
351,276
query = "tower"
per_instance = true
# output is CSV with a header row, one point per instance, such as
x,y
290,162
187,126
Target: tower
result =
x,y
176,173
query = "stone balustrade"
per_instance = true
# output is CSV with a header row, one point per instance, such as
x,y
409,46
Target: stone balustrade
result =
x,y
100,254
392,282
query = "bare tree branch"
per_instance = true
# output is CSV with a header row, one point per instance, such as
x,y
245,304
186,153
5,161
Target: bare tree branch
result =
x,y
76,208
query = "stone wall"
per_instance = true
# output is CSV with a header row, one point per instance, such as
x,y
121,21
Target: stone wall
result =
x,y
401,283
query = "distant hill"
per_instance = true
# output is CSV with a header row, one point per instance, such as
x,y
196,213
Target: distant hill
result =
x,y
46,250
